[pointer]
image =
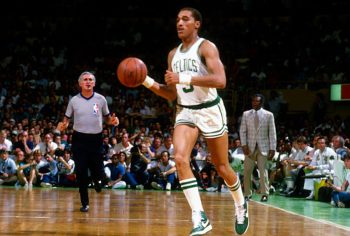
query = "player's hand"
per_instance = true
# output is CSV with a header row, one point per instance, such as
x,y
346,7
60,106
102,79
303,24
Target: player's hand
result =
x,y
171,78
113,120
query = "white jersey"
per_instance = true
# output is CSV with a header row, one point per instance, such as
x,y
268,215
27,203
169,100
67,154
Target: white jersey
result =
x,y
189,62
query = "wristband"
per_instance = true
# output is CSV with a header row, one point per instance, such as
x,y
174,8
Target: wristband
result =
x,y
185,79
148,82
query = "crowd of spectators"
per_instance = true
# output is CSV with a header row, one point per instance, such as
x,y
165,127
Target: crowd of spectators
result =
x,y
41,58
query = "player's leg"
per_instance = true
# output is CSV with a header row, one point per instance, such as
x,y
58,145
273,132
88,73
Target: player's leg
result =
x,y
184,139
218,147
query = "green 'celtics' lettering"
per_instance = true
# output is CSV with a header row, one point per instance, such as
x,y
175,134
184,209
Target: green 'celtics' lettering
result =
x,y
188,90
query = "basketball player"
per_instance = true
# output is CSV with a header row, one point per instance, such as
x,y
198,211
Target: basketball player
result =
x,y
194,73
87,108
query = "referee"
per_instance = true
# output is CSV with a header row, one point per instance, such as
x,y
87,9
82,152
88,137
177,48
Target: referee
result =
x,y
87,109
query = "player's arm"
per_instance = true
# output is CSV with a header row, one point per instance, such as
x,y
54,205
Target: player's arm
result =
x,y
216,77
166,91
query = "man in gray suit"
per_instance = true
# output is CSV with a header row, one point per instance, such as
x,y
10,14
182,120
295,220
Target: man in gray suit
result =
x,y
258,137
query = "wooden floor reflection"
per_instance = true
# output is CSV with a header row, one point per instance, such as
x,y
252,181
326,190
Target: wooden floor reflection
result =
x,y
133,212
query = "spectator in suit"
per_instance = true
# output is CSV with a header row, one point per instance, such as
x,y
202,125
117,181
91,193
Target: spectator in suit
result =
x,y
258,138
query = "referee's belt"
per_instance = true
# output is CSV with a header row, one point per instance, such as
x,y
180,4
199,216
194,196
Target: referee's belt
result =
x,y
202,105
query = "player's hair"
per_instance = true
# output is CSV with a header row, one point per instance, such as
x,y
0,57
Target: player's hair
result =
x,y
195,13
86,73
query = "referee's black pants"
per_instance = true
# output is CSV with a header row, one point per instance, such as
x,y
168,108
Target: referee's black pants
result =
x,y
86,149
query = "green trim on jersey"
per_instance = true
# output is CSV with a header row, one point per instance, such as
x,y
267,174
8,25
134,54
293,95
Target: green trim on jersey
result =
x,y
202,105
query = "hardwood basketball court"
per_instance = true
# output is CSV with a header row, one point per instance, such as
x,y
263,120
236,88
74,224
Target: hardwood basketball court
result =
x,y
133,212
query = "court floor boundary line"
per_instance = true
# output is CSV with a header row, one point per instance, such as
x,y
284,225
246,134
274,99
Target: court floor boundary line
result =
x,y
307,217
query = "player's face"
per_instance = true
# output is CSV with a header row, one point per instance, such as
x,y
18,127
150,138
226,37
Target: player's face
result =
x,y
186,24
87,83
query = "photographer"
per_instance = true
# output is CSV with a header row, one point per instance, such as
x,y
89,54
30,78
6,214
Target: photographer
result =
x,y
65,166
8,169
139,162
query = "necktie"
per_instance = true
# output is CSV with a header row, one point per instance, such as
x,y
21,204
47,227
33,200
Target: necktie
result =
x,y
256,120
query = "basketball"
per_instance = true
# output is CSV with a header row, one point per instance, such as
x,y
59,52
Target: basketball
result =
x,y
131,72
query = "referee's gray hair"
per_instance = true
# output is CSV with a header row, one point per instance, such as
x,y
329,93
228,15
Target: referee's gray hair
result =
x,y
86,73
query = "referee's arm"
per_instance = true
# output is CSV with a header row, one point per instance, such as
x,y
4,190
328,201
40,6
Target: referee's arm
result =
x,y
61,126
110,120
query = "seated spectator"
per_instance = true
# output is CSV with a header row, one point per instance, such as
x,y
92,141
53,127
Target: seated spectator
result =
x,y
128,177
201,154
154,152
168,146
65,167
195,168
236,157
341,195
8,169
338,143
209,175
25,169
47,146
167,171
138,165
295,163
340,171
321,164
4,142
23,143
60,143
115,172
46,169
123,146
105,148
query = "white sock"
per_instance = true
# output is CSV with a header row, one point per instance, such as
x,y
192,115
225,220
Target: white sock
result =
x,y
236,192
190,189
